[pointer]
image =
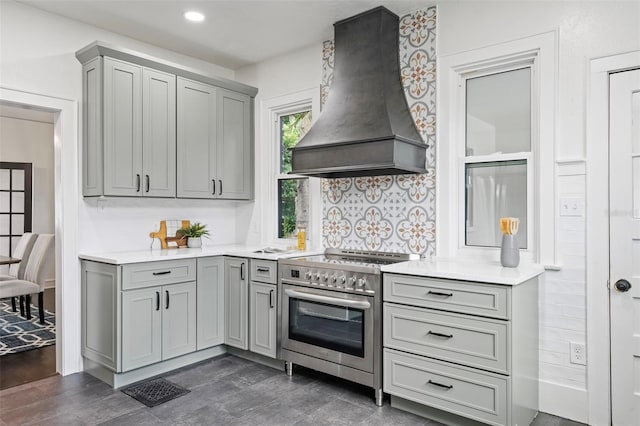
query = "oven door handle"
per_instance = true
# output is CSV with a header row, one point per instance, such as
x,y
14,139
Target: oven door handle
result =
x,y
357,304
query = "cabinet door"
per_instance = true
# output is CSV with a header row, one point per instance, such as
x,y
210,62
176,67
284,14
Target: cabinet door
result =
x,y
197,133
210,284
141,327
159,135
262,330
92,153
122,128
236,301
234,152
178,319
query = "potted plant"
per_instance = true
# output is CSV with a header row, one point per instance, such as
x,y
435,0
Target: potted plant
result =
x,y
194,234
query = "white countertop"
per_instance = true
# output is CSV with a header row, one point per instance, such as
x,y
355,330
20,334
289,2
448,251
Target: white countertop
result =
x,y
466,270
151,255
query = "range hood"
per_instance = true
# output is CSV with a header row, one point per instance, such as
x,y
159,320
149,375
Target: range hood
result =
x,y
366,128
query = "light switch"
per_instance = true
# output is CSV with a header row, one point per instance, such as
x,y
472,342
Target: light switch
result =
x,y
571,207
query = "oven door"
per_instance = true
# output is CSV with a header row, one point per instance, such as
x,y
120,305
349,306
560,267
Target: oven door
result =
x,y
329,325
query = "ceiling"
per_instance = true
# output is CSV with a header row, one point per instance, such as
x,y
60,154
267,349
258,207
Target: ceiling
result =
x,y
234,33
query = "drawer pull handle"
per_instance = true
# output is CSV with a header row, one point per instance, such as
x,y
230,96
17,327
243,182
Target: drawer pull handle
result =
x,y
271,303
157,300
440,385
162,273
263,269
437,293
433,333
167,293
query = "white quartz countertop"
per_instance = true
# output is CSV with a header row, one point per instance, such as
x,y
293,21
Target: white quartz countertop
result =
x,y
152,255
466,270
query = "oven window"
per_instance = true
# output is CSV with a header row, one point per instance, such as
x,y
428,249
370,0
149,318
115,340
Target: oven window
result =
x,y
332,327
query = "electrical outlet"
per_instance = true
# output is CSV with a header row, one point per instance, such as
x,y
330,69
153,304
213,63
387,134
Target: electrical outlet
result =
x,y
578,353
571,207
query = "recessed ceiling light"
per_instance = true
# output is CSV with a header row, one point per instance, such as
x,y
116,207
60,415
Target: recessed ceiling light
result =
x,y
194,16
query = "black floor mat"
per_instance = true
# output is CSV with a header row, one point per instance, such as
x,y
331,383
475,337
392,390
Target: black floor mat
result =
x,y
155,392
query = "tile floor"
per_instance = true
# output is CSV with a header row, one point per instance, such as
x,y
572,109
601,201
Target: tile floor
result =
x,y
226,390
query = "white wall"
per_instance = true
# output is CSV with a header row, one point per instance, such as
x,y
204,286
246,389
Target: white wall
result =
x,y
585,30
26,141
37,54
283,75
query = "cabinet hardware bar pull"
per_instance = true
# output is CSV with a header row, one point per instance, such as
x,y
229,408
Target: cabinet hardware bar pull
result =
x,y
271,304
148,183
214,187
242,271
220,187
162,273
448,336
167,293
263,269
440,385
157,300
137,183
437,293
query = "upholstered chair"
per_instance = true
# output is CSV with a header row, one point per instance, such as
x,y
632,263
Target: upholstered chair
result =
x,y
22,251
38,269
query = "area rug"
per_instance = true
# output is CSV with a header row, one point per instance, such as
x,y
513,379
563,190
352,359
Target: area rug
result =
x,y
18,334
155,392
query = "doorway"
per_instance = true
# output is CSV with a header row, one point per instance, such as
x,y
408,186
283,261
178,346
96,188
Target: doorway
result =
x,y
67,195
613,241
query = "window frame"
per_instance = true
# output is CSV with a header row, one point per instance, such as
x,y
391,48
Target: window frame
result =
x,y
540,54
272,110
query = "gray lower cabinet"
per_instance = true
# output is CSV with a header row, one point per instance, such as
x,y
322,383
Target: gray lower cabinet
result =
x,y
236,295
263,308
160,323
461,351
138,314
129,135
210,323
215,152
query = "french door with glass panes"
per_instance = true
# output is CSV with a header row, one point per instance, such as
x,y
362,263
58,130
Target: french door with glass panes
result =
x,y
15,204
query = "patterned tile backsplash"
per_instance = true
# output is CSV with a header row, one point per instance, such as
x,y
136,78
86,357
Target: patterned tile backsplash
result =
x,y
391,213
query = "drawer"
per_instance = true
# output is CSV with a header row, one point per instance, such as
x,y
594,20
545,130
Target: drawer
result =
x,y
265,271
138,275
449,295
463,391
476,342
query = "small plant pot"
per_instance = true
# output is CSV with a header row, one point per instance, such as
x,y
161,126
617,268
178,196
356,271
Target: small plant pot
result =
x,y
194,242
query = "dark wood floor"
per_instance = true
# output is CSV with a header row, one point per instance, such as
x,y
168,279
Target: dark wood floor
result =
x,y
29,366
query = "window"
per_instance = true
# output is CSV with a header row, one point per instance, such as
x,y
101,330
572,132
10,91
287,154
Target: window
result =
x,y
496,115
15,204
292,200
293,192
497,155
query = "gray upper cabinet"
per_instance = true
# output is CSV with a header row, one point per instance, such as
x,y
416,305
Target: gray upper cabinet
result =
x,y
234,163
215,157
156,129
129,138
159,133
197,140
122,128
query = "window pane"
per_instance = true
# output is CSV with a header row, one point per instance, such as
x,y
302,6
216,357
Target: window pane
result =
x,y
17,180
499,113
495,190
292,128
4,179
293,206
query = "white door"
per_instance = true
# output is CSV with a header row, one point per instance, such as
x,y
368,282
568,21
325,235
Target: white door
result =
x,y
624,196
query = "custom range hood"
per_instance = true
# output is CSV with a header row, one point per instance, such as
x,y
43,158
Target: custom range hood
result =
x,y
366,128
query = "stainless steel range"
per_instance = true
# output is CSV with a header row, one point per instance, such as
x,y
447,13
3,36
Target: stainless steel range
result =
x,y
330,314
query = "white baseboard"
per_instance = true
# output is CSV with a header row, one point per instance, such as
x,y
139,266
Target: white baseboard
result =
x,y
564,401
50,283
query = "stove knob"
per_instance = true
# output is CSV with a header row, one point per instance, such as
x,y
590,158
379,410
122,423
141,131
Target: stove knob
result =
x,y
334,279
362,283
343,279
308,275
325,277
352,281
316,276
